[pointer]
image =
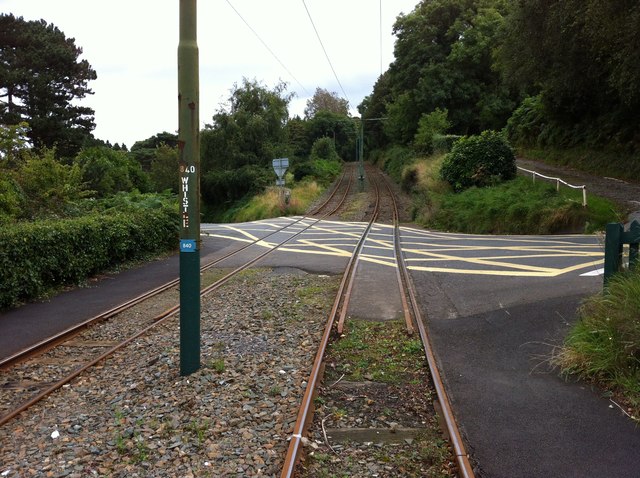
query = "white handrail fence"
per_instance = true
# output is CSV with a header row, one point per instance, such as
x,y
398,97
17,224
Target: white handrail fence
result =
x,y
558,181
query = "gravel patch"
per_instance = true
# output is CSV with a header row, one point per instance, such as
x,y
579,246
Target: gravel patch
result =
x,y
133,415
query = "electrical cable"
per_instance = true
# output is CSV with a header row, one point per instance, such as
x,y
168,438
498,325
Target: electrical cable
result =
x,y
325,52
269,49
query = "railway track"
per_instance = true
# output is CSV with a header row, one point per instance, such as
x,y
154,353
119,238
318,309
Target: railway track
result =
x,y
75,354
19,394
334,328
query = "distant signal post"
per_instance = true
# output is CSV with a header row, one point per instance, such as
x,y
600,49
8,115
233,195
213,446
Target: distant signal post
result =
x,y
189,165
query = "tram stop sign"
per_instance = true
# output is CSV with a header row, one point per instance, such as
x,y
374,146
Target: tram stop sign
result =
x,y
280,166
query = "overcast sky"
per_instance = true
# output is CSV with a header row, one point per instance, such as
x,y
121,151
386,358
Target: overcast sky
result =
x,y
132,45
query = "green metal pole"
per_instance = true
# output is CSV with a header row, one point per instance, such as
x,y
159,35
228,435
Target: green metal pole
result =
x,y
612,250
189,164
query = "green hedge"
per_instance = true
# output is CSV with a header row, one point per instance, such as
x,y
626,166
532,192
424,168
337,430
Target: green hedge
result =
x,y
40,256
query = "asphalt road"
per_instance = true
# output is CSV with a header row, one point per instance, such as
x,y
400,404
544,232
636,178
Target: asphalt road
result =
x,y
496,307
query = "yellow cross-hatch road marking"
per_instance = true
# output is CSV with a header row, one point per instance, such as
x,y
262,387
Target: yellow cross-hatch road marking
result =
x,y
516,256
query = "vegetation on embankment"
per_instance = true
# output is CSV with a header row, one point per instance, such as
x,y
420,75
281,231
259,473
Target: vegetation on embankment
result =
x,y
517,206
273,203
604,345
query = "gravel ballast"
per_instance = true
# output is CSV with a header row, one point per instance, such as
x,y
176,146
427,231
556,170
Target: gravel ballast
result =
x,y
134,415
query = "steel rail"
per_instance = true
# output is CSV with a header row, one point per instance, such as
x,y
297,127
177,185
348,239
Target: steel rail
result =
x,y
46,344
332,195
352,278
50,342
462,457
399,261
159,318
155,321
341,303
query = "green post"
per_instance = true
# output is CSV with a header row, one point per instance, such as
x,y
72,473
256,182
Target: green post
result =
x,y
612,250
189,164
634,240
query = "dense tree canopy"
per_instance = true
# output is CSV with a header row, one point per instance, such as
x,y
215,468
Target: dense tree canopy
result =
x,y
40,76
443,59
250,130
583,58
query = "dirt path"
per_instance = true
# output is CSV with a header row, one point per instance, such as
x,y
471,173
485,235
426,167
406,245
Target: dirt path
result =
x,y
625,193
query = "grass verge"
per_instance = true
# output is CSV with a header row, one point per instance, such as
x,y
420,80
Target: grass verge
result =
x,y
604,345
271,203
513,207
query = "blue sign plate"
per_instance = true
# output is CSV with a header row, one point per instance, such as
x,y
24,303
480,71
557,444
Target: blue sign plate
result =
x,y
187,245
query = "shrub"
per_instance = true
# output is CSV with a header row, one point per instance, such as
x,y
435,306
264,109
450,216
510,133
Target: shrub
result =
x,y
527,122
479,161
220,187
107,171
12,198
430,125
40,256
324,148
396,159
443,143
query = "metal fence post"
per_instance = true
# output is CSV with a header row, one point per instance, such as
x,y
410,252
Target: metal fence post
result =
x,y
612,250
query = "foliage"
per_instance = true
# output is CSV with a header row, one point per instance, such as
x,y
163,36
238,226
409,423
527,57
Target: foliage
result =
x,y
106,171
395,159
145,151
583,58
13,143
321,170
604,345
340,128
54,253
48,185
324,149
517,207
250,131
41,76
220,189
480,160
164,169
430,125
444,142
323,100
527,122
12,199
444,59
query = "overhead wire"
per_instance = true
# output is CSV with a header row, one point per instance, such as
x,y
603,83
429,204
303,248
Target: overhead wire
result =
x,y
267,47
325,51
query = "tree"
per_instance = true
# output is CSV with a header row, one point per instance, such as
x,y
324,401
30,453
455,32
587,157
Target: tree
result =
x,y
583,59
444,59
341,129
13,143
106,171
164,169
145,151
40,77
250,130
323,100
